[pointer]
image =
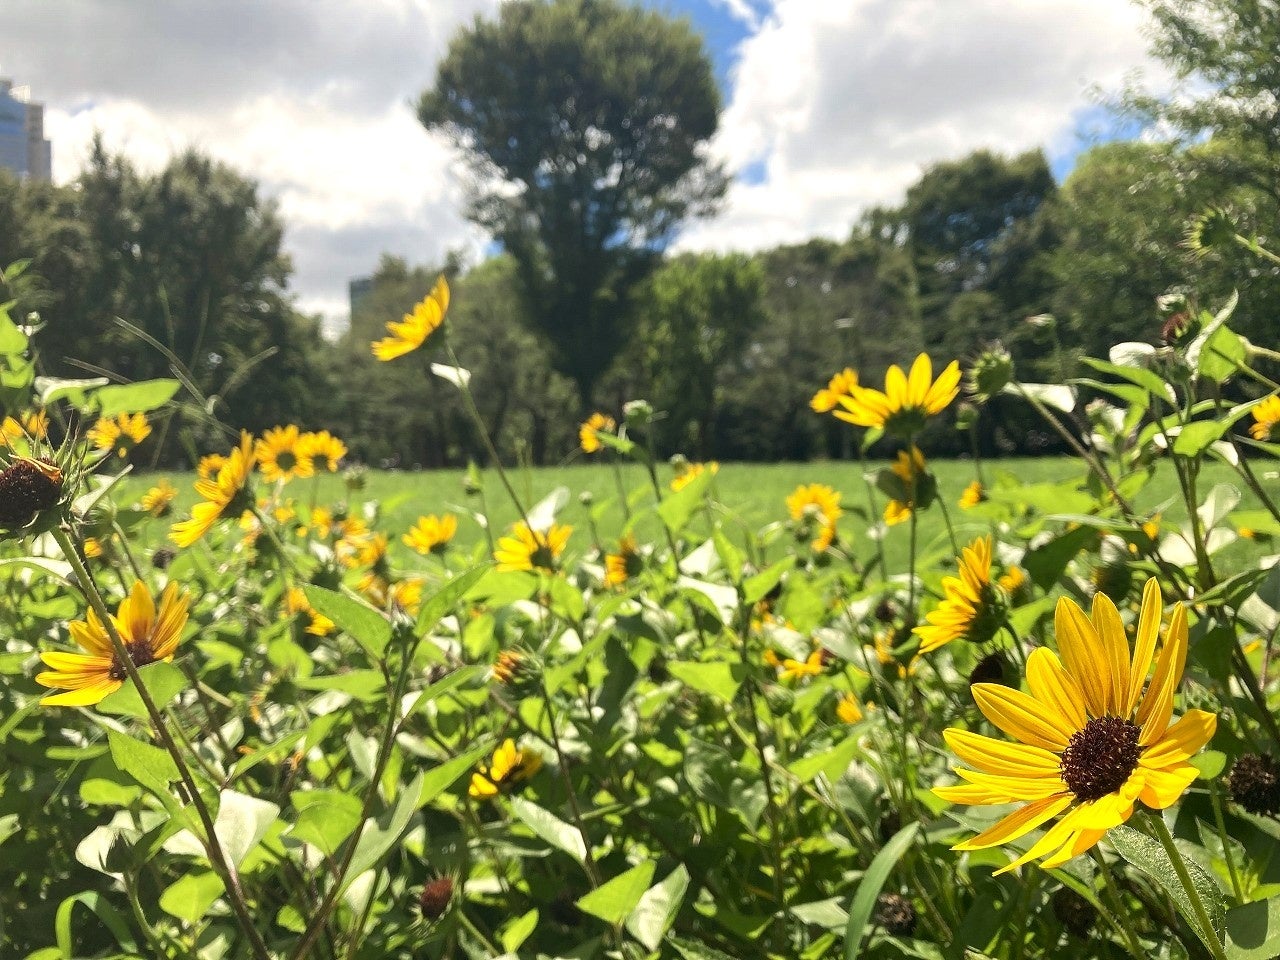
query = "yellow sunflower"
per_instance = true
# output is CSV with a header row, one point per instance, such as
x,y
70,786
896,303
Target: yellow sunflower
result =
x,y
158,500
209,465
972,496
282,455
528,549
909,467
34,424
789,669
626,563
296,602
510,766
814,500
840,385
431,534
413,329
1094,737
691,472
849,710
907,401
1266,420
148,636
589,431
973,608
222,494
119,435
323,446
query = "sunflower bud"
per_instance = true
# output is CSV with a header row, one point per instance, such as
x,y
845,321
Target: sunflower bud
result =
x,y
435,898
966,416
637,413
28,487
471,480
518,670
355,478
990,373
779,699
1254,783
1213,228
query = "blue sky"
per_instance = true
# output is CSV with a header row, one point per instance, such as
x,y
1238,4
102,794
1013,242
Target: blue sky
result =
x,y
830,106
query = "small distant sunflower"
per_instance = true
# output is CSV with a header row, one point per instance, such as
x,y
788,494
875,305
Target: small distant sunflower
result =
x,y
413,329
589,432
1266,420
529,549
93,548
282,455
972,496
814,500
33,424
431,534
509,767
223,495
789,669
626,563
296,603
119,435
840,385
320,520
691,472
907,401
323,447
1013,580
909,467
148,636
973,609
1094,737
159,499
849,710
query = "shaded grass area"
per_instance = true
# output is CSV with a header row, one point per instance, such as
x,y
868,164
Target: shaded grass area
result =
x,y
751,494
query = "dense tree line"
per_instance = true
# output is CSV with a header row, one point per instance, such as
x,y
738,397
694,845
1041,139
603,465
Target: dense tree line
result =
x,y
585,310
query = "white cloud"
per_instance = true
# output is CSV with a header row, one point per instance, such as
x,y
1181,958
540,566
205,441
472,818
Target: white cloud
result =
x,y
842,105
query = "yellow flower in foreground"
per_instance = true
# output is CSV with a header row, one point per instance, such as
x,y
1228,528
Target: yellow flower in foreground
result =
x,y
1266,420
34,424
907,400
973,609
626,563
1094,737
295,603
840,385
528,549
589,431
431,534
814,500
692,472
509,767
909,466
148,636
413,329
158,499
119,435
972,496
222,494
323,446
282,455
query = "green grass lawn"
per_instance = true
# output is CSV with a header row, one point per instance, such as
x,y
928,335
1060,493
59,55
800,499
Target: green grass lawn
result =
x,y
752,492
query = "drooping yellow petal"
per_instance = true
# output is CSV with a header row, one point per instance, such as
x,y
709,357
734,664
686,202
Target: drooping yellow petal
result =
x,y
1023,717
1017,824
1081,842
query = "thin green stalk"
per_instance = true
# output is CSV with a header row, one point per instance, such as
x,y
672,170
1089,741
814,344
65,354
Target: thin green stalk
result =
x,y
472,929
1118,915
1221,824
779,893
946,515
593,872
1208,934
213,846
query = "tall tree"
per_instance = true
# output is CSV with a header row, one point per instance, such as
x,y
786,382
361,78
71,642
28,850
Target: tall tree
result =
x,y
584,122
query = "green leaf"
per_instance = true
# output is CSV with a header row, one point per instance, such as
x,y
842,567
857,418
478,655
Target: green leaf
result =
x,y
59,570
436,781
13,342
379,836
831,762
150,766
1149,856
325,817
692,950
677,508
448,596
544,823
731,558
361,684
719,779
1195,438
1223,354
515,933
1147,379
242,821
869,887
1253,930
755,588
163,681
191,896
612,901
657,909
137,397
365,625
100,907
719,679
1046,563
76,392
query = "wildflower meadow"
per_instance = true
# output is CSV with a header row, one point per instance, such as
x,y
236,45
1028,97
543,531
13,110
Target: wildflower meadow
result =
x,y
987,718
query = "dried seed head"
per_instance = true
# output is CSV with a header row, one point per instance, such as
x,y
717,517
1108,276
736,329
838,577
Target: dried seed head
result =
x,y
436,896
1254,783
895,913
27,487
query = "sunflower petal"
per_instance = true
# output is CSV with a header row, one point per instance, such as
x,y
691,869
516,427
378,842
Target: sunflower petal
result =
x,y
1081,842
1115,645
1181,741
1016,788
84,696
1029,720
1017,824
1000,757
1164,787
1144,646
1157,705
1083,656
1051,684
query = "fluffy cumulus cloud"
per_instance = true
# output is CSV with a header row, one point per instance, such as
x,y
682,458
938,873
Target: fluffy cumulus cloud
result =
x,y
838,107
312,98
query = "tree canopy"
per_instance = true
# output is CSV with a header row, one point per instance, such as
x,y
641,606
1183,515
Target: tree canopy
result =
x,y
583,121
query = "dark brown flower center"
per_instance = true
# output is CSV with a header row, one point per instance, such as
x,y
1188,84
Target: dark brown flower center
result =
x,y
286,460
139,652
1099,758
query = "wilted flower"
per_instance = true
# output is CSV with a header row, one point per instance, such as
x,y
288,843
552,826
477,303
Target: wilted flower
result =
x,y
27,488
1254,783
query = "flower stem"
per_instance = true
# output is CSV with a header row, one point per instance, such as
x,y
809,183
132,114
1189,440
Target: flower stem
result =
x,y
1119,915
1207,933
217,857
593,872
1216,799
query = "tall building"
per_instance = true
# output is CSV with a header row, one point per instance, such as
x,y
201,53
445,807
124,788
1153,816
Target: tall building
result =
x,y
23,148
